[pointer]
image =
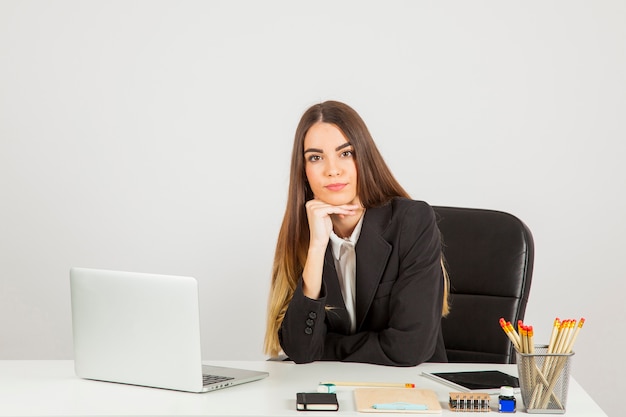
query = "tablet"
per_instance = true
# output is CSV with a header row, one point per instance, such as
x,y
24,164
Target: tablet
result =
x,y
488,381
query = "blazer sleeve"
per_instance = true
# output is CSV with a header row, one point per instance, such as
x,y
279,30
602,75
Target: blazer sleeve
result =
x,y
303,330
413,331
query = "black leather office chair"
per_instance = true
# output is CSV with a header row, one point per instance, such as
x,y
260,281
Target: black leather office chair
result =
x,y
489,257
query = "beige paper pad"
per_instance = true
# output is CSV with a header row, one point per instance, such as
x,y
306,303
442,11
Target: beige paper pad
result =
x,y
366,397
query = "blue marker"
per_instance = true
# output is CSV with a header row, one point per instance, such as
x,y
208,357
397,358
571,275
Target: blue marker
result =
x,y
400,406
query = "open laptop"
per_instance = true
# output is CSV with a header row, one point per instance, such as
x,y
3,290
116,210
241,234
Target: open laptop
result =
x,y
143,329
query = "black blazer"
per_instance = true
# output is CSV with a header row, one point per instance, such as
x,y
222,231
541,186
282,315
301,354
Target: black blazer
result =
x,y
399,296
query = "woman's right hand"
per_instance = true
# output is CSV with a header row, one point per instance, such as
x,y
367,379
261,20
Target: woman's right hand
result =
x,y
320,225
320,222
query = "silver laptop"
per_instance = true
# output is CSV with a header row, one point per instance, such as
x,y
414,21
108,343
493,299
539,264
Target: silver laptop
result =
x,y
143,329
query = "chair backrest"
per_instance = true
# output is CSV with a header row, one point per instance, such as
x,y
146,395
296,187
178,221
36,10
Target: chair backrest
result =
x,y
489,257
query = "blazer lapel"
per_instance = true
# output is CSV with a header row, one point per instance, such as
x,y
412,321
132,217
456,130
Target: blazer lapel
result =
x,y
372,254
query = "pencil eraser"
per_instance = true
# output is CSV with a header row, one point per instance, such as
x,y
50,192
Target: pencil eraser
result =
x,y
328,388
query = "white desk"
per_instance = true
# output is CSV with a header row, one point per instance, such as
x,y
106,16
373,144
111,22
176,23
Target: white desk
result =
x,y
50,388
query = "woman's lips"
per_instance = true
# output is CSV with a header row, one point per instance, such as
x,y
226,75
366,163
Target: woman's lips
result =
x,y
335,187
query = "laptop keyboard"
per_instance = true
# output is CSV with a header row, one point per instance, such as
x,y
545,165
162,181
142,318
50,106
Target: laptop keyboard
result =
x,y
214,379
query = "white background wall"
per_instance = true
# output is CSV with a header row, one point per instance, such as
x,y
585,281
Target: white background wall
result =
x,y
155,136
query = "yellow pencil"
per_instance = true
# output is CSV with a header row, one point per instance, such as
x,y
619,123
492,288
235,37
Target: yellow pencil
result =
x,y
368,384
531,340
555,329
570,345
509,334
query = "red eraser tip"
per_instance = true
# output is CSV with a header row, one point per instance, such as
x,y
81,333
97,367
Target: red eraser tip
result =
x,y
410,385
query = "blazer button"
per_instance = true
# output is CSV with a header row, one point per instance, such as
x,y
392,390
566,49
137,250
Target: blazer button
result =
x,y
310,322
308,330
312,315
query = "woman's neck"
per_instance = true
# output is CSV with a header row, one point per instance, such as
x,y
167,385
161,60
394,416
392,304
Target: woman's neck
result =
x,y
343,226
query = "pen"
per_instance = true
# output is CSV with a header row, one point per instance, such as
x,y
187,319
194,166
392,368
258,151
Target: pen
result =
x,y
368,384
400,406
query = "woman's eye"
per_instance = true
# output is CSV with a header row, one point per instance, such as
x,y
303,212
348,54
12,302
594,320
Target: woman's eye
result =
x,y
314,158
346,154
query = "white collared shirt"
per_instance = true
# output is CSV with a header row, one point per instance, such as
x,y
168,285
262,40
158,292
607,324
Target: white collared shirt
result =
x,y
345,264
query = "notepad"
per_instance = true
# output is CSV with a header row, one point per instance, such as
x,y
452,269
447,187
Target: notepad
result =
x,y
316,401
365,399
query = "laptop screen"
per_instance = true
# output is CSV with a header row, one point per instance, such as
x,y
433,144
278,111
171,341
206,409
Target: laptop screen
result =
x,y
136,328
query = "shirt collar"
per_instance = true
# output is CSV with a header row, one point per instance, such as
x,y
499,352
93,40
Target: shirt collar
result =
x,y
336,241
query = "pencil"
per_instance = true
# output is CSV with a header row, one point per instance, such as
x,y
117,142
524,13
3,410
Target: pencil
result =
x,y
368,384
523,331
555,329
531,340
514,333
559,337
570,345
509,333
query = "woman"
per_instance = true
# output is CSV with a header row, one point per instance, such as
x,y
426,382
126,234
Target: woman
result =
x,y
357,273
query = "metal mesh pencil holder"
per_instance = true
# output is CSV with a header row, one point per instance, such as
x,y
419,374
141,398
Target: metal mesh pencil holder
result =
x,y
544,380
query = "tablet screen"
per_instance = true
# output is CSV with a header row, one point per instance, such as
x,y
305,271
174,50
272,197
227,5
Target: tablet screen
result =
x,y
479,380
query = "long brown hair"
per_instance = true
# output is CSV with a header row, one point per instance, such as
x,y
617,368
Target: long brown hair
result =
x,y
376,187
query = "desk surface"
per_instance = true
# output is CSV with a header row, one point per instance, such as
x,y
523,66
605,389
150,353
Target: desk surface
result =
x,y
50,388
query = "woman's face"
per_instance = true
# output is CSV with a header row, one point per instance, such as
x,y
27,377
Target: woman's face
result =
x,y
330,165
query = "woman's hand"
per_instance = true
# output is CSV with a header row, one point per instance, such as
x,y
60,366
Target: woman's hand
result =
x,y
320,225
320,221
